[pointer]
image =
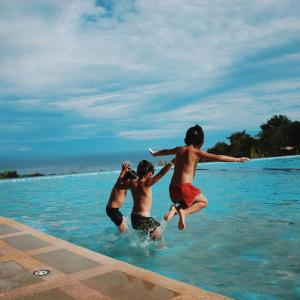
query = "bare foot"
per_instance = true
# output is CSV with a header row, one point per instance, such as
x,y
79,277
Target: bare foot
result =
x,y
170,214
181,223
122,227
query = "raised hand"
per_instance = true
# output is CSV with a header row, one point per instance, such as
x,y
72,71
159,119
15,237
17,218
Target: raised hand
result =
x,y
152,152
126,165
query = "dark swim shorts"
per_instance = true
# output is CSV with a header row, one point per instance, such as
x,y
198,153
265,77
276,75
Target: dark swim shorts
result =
x,y
115,215
146,224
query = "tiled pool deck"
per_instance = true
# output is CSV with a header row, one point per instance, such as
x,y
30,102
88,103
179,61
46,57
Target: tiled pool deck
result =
x,y
76,272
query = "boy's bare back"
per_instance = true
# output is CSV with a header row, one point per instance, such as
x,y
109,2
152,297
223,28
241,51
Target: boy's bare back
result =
x,y
185,166
187,158
141,189
117,197
142,195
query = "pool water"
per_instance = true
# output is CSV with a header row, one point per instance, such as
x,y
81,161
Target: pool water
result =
x,y
245,244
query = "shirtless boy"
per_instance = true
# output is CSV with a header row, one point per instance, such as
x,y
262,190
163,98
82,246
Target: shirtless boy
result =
x,y
188,198
118,195
142,197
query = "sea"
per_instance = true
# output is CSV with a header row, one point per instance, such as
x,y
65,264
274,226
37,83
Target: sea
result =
x,y
245,244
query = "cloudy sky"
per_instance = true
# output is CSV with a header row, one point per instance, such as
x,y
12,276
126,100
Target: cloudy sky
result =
x,y
87,76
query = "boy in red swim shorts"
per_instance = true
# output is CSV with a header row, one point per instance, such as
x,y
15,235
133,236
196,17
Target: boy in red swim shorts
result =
x,y
188,199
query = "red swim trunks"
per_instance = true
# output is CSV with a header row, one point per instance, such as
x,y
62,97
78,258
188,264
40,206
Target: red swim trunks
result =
x,y
183,193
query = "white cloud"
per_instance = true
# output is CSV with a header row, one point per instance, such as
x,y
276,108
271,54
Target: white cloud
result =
x,y
126,68
288,58
15,126
148,133
22,149
244,108
275,87
15,148
162,39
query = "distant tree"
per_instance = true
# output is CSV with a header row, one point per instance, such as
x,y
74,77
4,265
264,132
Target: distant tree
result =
x,y
220,148
34,175
294,136
253,153
256,152
278,136
241,143
274,135
9,174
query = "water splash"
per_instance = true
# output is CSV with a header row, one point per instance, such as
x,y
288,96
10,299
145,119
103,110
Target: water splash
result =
x,y
136,241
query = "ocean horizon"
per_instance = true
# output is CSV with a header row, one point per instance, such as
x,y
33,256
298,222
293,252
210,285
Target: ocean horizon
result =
x,y
104,162
74,164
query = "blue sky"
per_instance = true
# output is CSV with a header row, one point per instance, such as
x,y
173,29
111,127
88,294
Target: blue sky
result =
x,y
100,76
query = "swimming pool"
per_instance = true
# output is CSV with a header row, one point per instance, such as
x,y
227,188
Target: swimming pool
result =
x,y
245,244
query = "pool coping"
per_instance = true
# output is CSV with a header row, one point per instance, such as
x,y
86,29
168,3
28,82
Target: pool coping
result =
x,y
77,272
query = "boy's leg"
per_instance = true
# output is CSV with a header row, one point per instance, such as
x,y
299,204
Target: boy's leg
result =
x,y
117,218
199,203
122,226
155,234
170,213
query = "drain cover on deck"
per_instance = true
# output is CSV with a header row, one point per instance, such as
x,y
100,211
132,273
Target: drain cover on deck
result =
x,y
41,272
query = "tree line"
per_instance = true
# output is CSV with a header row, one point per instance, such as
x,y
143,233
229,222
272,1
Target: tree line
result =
x,y
279,136
14,174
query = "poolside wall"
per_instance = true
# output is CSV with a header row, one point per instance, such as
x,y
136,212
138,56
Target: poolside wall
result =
x,y
76,272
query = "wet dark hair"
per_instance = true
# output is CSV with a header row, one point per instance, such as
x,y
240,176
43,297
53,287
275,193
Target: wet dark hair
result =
x,y
194,136
144,168
131,174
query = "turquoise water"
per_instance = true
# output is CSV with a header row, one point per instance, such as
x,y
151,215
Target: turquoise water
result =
x,y
245,244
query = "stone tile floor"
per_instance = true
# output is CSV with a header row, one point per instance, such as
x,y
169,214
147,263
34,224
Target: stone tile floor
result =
x,y
76,272
25,242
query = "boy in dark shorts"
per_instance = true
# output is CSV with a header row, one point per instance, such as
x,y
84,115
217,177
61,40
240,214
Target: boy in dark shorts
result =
x,y
142,197
188,198
118,195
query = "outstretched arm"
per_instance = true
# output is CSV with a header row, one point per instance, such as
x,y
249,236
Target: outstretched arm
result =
x,y
161,173
124,169
224,158
163,152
